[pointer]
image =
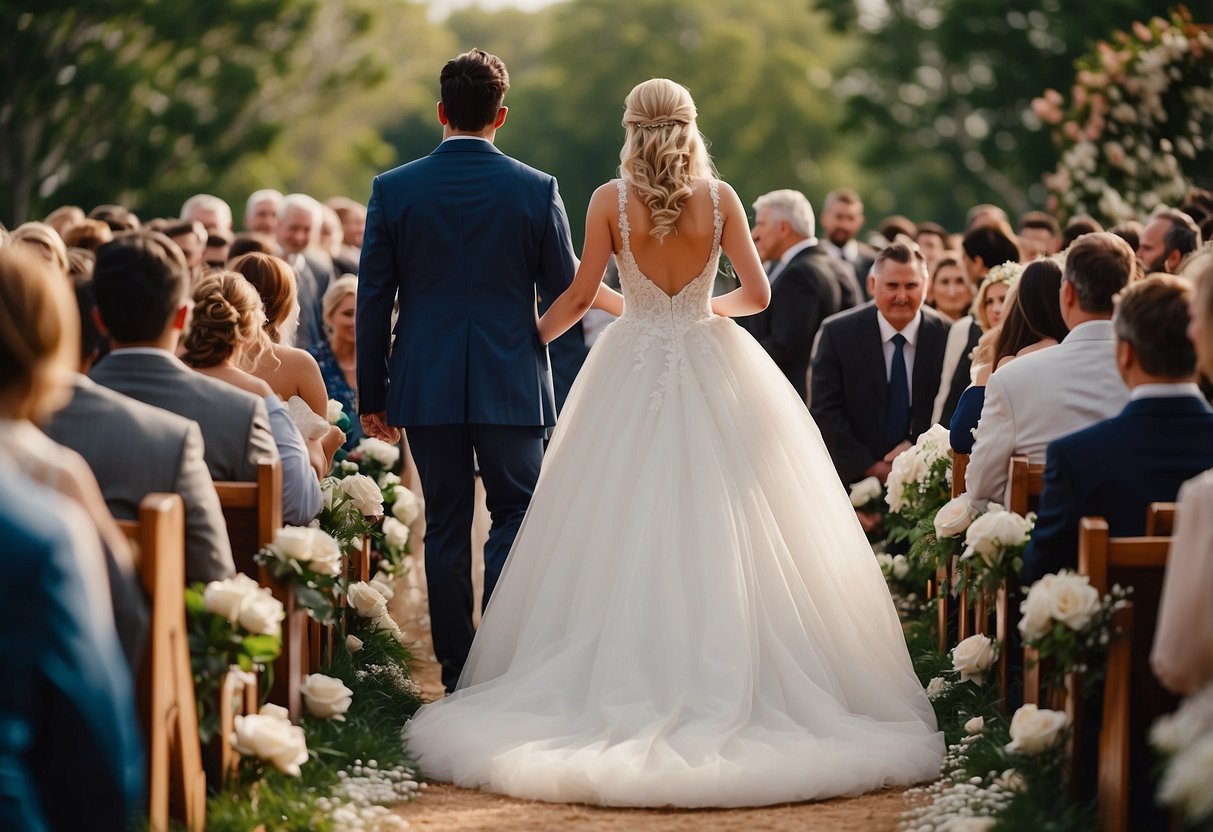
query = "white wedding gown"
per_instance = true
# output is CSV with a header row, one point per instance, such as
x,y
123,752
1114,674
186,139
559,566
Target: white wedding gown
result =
x,y
690,615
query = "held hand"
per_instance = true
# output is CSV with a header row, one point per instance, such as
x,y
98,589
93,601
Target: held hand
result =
x,y
904,445
880,470
869,522
375,425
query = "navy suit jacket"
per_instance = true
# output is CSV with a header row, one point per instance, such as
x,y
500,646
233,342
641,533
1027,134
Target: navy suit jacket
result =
x,y
851,385
462,238
1115,469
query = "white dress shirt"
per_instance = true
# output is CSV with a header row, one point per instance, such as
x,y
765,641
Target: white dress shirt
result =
x,y
910,333
1165,391
849,251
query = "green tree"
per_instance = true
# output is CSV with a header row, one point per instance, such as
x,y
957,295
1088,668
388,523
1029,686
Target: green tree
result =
x,y
944,87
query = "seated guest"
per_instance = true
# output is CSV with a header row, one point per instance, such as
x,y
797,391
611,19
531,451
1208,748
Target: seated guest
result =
x,y
44,241
932,238
140,282
1077,227
70,751
330,243
1031,321
103,426
353,221
1130,232
1166,240
876,368
225,337
250,242
190,237
64,217
1182,657
1050,393
1114,469
1039,234
116,217
335,354
261,211
39,340
218,248
299,221
211,211
951,292
87,234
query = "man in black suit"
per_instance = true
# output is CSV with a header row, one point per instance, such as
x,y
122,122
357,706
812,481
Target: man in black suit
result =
x,y
804,289
842,220
876,368
298,226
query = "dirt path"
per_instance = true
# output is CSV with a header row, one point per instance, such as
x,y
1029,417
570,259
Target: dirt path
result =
x,y
446,808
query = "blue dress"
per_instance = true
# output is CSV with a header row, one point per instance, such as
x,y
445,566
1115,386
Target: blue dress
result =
x,y
965,419
338,388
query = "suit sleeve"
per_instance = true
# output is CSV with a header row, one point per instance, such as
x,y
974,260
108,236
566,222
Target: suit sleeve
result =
x,y
557,262
1054,543
800,305
208,552
986,477
378,285
850,456
260,443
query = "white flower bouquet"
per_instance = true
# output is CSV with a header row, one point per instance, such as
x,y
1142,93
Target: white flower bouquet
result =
x,y
1185,740
313,563
994,546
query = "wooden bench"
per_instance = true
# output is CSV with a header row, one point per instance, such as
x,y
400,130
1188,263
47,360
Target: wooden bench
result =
x,y
166,684
943,572
1160,519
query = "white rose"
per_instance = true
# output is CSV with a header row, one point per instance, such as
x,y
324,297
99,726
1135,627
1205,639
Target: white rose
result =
x,y
229,596
408,506
900,567
1186,782
973,657
334,411
263,614
380,451
309,546
326,697
328,487
975,725
275,711
367,601
395,533
886,564
936,687
274,740
1012,781
970,824
1075,602
1034,730
353,644
1036,610
955,516
383,587
865,491
364,494
349,467
385,622
993,533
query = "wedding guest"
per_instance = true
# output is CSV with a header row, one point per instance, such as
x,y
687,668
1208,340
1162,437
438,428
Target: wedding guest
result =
x,y
80,263
190,237
951,290
225,340
932,239
986,214
804,288
1077,227
1052,392
261,211
64,217
117,217
330,243
842,220
1039,235
353,223
211,211
897,225
141,285
249,242
876,368
1130,232
87,234
336,353
1166,240
299,221
218,248
44,241
1182,657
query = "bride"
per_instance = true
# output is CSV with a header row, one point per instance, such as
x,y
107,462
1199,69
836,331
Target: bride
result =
x,y
691,614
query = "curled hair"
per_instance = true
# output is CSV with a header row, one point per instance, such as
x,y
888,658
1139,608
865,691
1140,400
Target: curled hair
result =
x,y
663,152
274,280
227,317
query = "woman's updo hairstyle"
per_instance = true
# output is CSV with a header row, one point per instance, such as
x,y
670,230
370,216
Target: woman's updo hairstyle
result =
x,y
663,151
227,315
274,280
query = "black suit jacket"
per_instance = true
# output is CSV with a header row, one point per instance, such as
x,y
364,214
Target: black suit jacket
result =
x,y
850,385
803,295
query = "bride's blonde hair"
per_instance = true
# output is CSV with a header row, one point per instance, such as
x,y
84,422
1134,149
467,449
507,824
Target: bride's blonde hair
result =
x,y
663,151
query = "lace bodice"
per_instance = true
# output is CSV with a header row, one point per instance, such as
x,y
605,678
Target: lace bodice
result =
x,y
646,304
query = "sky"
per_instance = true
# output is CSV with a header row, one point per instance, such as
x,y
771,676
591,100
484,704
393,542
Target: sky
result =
x,y
439,9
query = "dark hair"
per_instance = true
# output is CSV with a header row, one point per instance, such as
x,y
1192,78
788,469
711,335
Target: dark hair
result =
x,y
1130,232
140,281
890,227
1183,235
935,228
902,250
216,237
1098,266
87,234
1039,219
1153,316
179,228
116,217
1077,227
93,344
252,241
992,244
1034,311
473,86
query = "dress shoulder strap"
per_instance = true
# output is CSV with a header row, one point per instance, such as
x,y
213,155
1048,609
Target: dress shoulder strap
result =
x,y
717,220
624,228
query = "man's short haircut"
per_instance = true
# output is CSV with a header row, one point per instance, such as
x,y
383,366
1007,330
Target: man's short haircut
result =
x,y
140,281
474,85
180,228
252,241
117,217
1099,265
207,202
1183,235
892,227
1042,220
934,228
1077,227
903,250
1153,316
261,196
790,206
847,195
992,244
304,203
1130,232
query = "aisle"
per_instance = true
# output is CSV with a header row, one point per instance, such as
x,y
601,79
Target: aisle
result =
x,y
446,808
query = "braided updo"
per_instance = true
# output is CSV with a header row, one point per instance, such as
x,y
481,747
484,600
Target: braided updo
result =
x,y
227,317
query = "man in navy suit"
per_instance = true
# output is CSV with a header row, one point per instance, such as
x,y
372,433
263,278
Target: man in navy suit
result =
x,y
463,239
1164,436
876,368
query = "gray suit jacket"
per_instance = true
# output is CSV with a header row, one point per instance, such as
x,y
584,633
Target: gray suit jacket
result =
x,y
235,425
134,450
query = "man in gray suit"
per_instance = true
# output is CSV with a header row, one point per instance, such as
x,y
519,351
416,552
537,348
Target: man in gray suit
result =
x,y
105,427
140,283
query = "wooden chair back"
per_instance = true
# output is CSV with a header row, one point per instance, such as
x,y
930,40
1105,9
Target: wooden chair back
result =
x,y
1025,483
176,780
1114,736
1160,519
943,574
960,464
237,696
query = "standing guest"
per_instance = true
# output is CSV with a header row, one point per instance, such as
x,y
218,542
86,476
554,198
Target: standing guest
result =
x,y
87,234
353,221
225,338
932,239
1056,391
842,220
876,368
218,248
248,242
336,354
330,243
1182,657
190,237
804,289
986,214
43,241
1166,240
895,226
1039,235
211,211
1130,232
985,247
64,217
117,217
1077,227
298,224
261,211
950,288
462,238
